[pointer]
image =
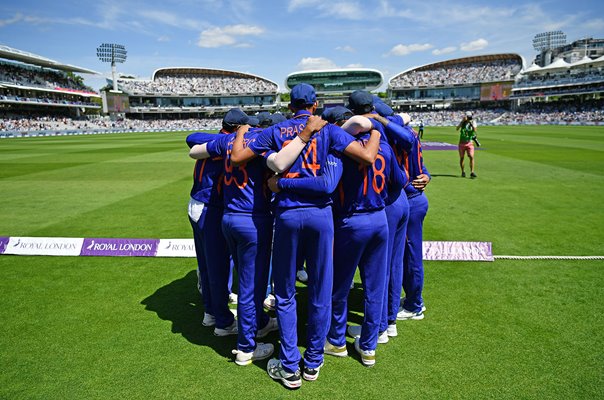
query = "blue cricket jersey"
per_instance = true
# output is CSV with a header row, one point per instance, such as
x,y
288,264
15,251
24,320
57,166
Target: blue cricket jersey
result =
x,y
366,188
244,186
207,174
310,162
408,150
321,185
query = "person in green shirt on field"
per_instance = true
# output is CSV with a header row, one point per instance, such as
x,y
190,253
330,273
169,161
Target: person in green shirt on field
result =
x,y
467,128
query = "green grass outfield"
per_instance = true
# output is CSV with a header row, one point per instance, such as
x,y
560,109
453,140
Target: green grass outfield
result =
x,y
130,328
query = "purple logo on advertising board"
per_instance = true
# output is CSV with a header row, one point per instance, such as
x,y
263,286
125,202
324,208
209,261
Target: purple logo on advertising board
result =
x,y
119,247
458,251
3,243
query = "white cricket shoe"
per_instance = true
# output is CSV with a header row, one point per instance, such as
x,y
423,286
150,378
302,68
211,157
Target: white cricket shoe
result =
x,y
383,337
302,276
367,356
290,380
269,302
403,315
262,351
208,320
391,331
354,330
335,351
403,301
271,326
232,298
229,330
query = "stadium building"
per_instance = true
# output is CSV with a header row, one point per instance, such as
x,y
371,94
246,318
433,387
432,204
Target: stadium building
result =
x,y
474,82
38,86
566,78
334,85
188,92
571,53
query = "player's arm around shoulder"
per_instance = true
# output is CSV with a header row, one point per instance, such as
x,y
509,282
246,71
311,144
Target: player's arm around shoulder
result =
x,y
284,158
240,153
367,154
201,145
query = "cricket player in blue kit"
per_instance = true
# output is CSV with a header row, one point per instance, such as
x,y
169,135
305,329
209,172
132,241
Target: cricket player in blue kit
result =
x,y
413,268
247,225
205,214
361,239
397,212
303,223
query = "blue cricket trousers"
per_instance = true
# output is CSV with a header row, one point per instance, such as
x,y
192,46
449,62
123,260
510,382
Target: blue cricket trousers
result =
x,y
249,238
306,230
211,249
413,266
397,214
360,239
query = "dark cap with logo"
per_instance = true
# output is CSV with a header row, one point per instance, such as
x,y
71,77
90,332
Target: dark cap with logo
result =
x,y
237,117
264,118
336,114
360,102
277,118
382,108
302,95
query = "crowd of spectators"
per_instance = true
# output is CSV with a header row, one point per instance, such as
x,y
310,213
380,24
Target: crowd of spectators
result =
x,y
504,70
560,78
27,76
46,99
587,112
40,123
197,84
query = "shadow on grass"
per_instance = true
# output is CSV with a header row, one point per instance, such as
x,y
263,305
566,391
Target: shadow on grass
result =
x,y
180,302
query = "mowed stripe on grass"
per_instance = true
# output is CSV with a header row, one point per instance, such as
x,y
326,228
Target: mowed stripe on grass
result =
x,y
91,173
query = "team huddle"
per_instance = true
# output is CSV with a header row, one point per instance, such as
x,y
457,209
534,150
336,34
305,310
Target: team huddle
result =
x,y
334,193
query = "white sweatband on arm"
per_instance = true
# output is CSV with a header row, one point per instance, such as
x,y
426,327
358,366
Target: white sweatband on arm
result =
x,y
284,159
357,124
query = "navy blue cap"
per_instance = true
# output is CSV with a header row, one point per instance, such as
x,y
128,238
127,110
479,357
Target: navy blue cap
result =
x,y
382,108
336,114
303,94
264,118
237,117
360,102
277,118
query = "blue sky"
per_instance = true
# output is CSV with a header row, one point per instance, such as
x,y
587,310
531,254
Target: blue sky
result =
x,y
274,38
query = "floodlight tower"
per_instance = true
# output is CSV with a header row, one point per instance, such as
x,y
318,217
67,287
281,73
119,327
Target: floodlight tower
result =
x,y
545,43
112,53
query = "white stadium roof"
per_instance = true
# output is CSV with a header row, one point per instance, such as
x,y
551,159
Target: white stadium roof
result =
x,y
557,64
29,58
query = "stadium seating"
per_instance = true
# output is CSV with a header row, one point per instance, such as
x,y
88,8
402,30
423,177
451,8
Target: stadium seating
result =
x,y
486,71
193,84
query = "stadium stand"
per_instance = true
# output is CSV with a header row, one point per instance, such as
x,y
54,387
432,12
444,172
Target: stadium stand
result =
x,y
469,80
31,84
197,92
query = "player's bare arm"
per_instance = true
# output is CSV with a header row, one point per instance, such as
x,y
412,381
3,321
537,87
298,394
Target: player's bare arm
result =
x,y
273,184
367,154
241,154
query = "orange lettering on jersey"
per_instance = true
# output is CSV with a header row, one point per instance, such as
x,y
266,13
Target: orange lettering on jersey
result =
x,y
312,154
